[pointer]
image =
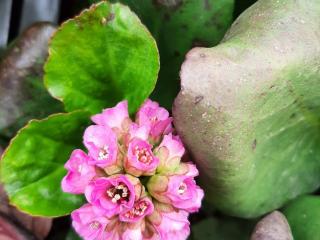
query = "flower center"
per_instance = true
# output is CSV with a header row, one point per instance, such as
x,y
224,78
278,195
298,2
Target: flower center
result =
x,y
182,188
104,153
138,210
154,119
94,225
119,193
143,155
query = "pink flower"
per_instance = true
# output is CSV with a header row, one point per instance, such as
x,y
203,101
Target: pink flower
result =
x,y
170,153
140,159
141,132
114,194
80,173
140,230
117,230
157,118
170,223
132,232
115,117
179,190
89,222
141,208
101,143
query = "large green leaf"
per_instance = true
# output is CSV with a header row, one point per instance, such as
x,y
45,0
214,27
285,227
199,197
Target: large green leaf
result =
x,y
179,25
32,165
249,109
101,57
303,215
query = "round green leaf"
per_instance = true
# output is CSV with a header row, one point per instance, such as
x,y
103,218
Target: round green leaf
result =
x,y
32,166
303,215
178,26
222,228
101,57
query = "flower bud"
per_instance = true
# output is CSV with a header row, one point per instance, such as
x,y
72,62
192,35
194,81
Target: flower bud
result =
x,y
169,153
169,222
180,191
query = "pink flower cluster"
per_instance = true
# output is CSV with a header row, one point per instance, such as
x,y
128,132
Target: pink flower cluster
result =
x,y
132,177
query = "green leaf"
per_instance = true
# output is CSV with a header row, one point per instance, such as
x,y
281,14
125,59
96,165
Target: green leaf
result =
x,y
101,57
303,215
32,166
224,228
249,108
72,235
178,26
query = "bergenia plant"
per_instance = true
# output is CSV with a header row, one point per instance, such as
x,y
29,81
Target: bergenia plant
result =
x,y
130,181
132,176
248,112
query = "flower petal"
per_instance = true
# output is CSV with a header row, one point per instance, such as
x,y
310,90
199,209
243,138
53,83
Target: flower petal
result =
x,y
112,117
140,159
157,118
80,173
101,143
89,222
114,194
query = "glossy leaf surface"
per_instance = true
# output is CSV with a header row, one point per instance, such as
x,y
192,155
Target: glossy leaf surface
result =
x,y
32,165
